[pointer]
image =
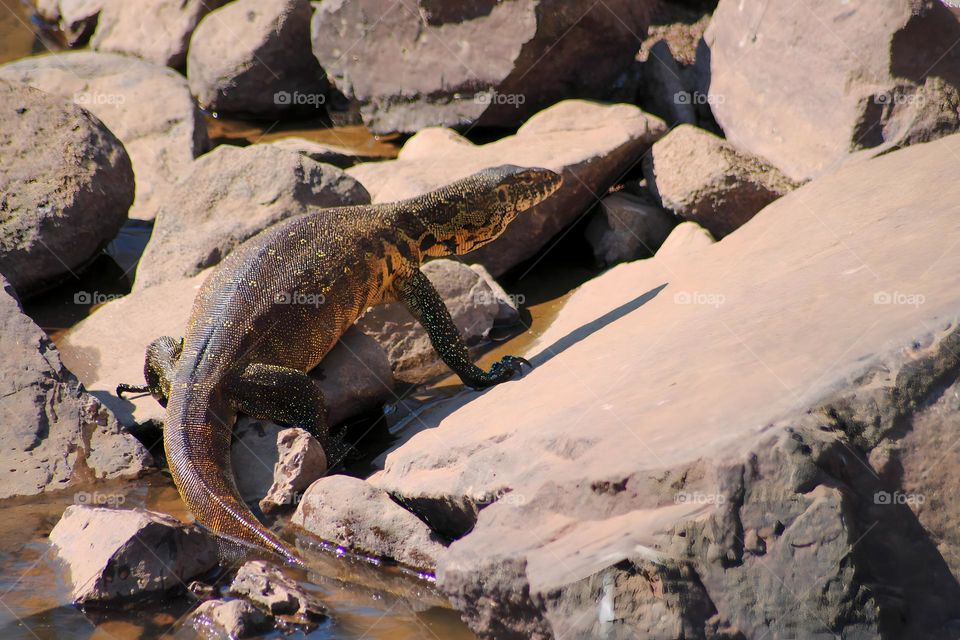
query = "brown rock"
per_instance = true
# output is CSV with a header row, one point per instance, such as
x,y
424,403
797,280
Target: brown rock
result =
x,y
592,145
901,86
148,107
233,618
300,461
277,595
701,177
121,554
626,227
349,512
66,183
54,433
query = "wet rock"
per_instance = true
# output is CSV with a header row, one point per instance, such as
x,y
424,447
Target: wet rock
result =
x,y
626,227
349,512
472,302
703,178
122,554
254,58
232,618
774,399
508,59
66,183
342,157
902,87
148,107
155,30
231,194
54,433
591,144
108,348
277,595
300,461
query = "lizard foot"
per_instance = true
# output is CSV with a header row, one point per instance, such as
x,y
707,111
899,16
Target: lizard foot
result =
x,y
501,371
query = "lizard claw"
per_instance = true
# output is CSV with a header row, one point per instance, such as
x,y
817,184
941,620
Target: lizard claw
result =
x,y
501,371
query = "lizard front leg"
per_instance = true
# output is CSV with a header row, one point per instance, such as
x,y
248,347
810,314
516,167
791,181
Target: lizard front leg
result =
x,y
426,305
159,364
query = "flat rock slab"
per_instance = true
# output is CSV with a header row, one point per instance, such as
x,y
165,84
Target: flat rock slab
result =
x,y
888,75
591,144
55,434
123,554
147,106
66,182
632,439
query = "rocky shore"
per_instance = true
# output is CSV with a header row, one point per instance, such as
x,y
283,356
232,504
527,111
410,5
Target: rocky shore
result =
x,y
743,424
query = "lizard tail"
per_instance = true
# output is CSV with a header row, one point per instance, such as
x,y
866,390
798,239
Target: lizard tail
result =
x,y
196,439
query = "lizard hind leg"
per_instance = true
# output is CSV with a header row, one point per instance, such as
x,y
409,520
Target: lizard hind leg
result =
x,y
158,367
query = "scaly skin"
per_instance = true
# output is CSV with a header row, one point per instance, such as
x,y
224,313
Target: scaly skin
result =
x,y
278,303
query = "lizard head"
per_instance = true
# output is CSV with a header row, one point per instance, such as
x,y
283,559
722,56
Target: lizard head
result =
x,y
469,213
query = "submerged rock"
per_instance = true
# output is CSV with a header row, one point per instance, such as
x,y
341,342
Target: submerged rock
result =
x,y
66,186
54,434
232,618
349,512
592,145
122,554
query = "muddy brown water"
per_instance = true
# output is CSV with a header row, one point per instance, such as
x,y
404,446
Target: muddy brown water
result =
x,y
366,600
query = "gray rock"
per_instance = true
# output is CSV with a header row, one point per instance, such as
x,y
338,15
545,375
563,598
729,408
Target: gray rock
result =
x,y
342,157
55,435
276,595
703,178
592,145
122,554
66,183
300,461
901,87
349,512
253,57
148,107
626,227
781,394
155,30
230,618
485,63
229,195
472,302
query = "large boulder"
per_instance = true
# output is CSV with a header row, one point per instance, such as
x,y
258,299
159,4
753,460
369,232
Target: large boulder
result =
x,y
253,57
147,106
65,187
162,39
125,554
483,63
231,194
887,75
55,435
736,440
592,145
701,177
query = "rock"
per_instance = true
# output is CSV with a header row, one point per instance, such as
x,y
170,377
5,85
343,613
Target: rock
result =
x,y
255,450
233,618
484,64
254,58
148,107
122,554
55,435
687,239
901,87
472,302
703,178
782,381
47,10
66,183
342,157
163,39
229,195
277,595
108,348
592,145
78,19
300,461
626,227
349,512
